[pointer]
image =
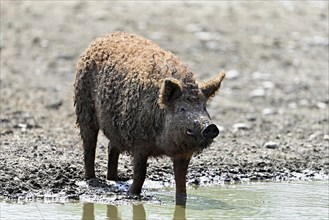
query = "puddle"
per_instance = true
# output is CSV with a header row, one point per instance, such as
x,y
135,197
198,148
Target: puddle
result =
x,y
261,200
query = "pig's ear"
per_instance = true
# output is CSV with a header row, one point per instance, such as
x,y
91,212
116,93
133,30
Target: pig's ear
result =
x,y
210,87
170,90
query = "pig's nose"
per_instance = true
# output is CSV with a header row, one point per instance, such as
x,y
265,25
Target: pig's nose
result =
x,y
211,131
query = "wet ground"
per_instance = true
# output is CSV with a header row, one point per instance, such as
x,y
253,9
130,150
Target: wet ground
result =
x,y
272,109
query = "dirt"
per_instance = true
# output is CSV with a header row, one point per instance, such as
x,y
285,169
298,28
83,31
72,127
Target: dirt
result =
x,y
272,109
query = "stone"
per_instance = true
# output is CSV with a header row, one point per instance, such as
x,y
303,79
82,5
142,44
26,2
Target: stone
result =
x,y
326,137
321,105
221,128
260,76
257,93
312,136
268,85
241,126
271,145
267,111
232,74
207,36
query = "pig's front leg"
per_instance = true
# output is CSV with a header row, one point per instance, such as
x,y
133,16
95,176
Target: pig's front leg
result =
x,y
180,170
112,164
140,163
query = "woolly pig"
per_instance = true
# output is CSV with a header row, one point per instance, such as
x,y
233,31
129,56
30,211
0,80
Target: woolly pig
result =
x,y
146,102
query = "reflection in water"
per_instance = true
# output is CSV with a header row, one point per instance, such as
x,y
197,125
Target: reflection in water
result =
x,y
88,211
112,212
179,213
300,200
139,213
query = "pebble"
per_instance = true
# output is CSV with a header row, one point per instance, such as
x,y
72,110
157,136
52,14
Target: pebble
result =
x,y
318,41
157,35
312,137
232,74
326,137
257,93
221,128
44,43
55,105
304,102
268,85
267,111
21,125
193,28
212,44
321,105
292,105
251,117
260,76
271,145
207,36
241,126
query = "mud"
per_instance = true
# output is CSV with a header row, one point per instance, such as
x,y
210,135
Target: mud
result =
x,y
272,109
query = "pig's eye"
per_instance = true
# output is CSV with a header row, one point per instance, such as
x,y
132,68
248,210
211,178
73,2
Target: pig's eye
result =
x,y
182,110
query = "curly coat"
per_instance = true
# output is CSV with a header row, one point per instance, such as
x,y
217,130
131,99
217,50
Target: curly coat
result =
x,y
124,85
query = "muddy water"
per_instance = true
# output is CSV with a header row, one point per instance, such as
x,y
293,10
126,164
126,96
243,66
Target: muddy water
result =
x,y
285,200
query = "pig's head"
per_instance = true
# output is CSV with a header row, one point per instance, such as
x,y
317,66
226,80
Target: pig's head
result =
x,y
188,126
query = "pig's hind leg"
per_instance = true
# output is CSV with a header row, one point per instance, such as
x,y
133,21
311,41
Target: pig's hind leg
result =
x,y
89,139
87,121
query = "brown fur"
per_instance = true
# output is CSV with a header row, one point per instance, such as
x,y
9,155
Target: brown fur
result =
x,y
130,88
209,87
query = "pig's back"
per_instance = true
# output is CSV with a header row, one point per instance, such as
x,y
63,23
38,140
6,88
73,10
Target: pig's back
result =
x,y
125,72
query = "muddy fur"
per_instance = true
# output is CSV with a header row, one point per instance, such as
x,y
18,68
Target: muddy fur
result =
x,y
118,85
144,99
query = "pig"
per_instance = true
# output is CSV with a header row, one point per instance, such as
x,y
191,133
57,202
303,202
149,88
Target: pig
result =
x,y
146,102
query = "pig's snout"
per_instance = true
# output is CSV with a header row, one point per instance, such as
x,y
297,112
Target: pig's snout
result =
x,y
210,131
